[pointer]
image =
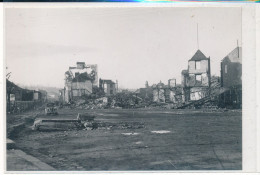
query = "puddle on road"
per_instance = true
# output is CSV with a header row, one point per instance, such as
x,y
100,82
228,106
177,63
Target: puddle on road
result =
x,y
138,143
130,133
161,132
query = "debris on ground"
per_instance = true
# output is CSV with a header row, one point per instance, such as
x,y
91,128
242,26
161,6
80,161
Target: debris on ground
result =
x,y
129,100
51,109
59,123
81,121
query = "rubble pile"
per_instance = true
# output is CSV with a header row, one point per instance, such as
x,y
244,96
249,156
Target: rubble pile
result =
x,y
82,103
83,121
127,100
119,100
124,100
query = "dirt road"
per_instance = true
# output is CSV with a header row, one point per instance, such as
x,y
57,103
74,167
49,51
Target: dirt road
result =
x,y
165,140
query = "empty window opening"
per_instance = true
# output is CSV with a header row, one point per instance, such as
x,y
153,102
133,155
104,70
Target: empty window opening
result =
x,y
197,64
198,78
225,68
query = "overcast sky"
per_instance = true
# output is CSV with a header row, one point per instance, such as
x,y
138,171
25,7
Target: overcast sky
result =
x,y
130,45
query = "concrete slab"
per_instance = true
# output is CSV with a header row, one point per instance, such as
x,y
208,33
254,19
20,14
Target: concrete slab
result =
x,y
18,160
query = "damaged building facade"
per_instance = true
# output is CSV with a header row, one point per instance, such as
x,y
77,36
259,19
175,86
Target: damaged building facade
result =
x,y
145,93
161,93
83,80
196,79
166,93
79,81
231,79
108,86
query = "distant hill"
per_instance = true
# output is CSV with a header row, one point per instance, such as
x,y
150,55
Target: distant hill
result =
x,y
53,92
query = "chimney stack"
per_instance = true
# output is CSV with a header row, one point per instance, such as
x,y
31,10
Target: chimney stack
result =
x,y
80,65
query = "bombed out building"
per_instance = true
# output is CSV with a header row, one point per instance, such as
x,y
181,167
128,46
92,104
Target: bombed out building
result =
x,y
108,86
145,93
231,79
164,93
83,80
196,79
79,81
161,93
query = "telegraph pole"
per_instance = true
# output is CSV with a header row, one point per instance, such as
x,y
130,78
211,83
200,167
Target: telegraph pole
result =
x,y
198,35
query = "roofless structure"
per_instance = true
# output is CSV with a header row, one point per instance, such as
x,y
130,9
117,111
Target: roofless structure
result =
x,y
196,79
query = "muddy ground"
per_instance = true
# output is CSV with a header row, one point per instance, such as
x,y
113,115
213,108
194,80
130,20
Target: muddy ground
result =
x,y
141,140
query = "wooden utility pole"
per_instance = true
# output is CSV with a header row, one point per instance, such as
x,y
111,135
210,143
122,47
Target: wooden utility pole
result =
x,y
198,35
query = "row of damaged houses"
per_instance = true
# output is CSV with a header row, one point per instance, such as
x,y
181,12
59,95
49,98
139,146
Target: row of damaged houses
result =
x,y
20,99
161,93
82,80
198,85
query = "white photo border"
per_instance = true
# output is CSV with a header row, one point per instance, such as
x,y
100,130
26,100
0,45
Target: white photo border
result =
x,y
251,84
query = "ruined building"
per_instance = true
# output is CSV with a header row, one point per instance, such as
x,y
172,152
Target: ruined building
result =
x,y
231,78
108,86
196,80
79,81
166,93
145,93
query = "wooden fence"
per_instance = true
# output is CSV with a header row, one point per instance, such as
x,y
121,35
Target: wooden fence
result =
x,y
22,106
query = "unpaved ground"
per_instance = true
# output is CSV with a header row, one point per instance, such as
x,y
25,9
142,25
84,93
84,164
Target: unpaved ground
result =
x,y
167,140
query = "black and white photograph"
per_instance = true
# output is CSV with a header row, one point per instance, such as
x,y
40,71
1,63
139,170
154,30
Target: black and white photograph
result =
x,y
123,88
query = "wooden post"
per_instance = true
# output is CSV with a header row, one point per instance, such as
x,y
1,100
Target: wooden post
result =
x,y
224,98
